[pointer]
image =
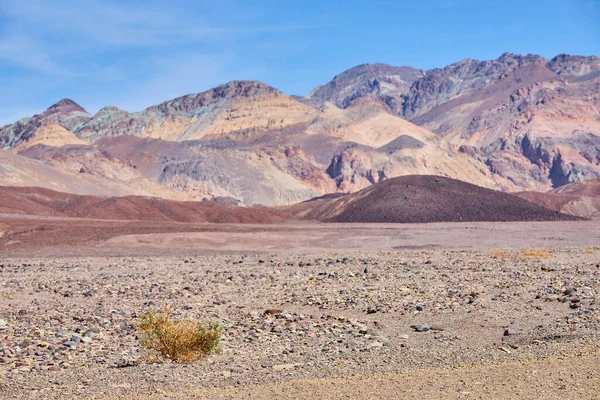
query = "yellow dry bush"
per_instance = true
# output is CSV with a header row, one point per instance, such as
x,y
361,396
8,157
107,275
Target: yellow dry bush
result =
x,y
182,341
498,254
535,253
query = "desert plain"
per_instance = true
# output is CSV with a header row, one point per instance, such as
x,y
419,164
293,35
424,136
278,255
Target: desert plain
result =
x,y
385,232
440,310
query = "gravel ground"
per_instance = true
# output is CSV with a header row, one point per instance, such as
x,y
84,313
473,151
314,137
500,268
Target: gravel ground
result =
x,y
68,325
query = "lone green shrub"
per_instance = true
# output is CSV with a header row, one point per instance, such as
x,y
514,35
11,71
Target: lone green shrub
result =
x,y
182,341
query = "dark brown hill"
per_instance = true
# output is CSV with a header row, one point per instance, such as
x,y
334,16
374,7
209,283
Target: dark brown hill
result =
x,y
425,198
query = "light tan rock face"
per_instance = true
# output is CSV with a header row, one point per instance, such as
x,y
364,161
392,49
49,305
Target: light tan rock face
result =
x,y
66,114
18,170
367,122
50,134
358,167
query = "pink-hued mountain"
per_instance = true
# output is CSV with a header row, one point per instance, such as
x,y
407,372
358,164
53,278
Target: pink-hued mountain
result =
x,y
518,123
533,122
580,198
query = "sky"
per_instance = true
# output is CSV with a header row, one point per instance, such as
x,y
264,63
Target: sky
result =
x,y
133,54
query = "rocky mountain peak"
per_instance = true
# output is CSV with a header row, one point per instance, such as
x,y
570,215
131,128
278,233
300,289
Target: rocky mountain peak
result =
x,y
243,89
66,105
365,80
66,114
572,65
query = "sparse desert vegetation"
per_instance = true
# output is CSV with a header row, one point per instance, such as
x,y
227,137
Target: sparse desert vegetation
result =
x,y
535,253
183,341
522,254
418,231
498,254
290,317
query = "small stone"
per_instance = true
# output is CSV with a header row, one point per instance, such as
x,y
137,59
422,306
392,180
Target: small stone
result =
x,y
124,364
282,367
421,327
509,332
3,325
420,307
271,311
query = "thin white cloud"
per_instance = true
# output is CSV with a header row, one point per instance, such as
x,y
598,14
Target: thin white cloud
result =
x,y
21,51
118,24
102,52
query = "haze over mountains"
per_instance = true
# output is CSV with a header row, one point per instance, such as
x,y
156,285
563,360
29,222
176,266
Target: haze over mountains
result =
x,y
518,123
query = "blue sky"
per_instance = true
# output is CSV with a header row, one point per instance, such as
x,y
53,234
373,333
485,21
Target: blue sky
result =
x,y
134,54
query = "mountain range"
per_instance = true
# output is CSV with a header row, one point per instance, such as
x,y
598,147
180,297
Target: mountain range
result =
x,y
517,123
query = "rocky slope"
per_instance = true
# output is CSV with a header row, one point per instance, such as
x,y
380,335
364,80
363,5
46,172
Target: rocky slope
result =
x,y
534,122
18,170
43,202
231,153
424,198
237,109
380,81
581,199
66,114
518,123
414,198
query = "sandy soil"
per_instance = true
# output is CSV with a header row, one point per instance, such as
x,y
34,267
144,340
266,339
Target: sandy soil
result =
x,y
558,377
504,322
57,236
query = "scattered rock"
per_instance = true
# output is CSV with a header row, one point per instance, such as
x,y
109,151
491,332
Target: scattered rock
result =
x,y
271,312
424,327
282,367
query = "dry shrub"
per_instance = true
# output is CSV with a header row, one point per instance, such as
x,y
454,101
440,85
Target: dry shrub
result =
x,y
535,253
182,341
498,254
